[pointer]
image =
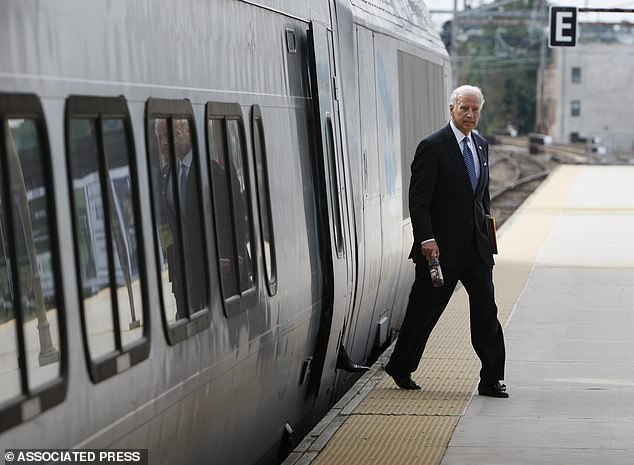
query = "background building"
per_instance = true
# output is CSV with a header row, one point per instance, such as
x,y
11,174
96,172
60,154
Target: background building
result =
x,y
585,94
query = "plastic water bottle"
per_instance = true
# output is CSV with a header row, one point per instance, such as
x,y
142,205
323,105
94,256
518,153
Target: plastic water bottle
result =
x,y
436,273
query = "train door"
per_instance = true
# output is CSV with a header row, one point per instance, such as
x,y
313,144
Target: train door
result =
x,y
386,78
371,244
336,244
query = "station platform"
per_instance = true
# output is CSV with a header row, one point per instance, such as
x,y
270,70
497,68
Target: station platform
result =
x,y
565,291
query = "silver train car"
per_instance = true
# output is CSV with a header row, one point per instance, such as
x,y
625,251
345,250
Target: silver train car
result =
x,y
203,204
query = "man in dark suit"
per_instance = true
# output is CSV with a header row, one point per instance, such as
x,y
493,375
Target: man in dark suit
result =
x,y
182,214
448,200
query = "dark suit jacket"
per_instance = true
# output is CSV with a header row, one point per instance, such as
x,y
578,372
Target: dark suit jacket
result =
x,y
193,245
441,202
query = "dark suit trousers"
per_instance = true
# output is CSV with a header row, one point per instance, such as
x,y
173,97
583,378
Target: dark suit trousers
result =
x,y
426,305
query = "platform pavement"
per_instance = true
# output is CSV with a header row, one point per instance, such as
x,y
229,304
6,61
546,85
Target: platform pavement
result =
x,y
570,340
565,288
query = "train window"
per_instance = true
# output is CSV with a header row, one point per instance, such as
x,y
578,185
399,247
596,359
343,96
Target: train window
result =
x,y
11,379
31,304
232,213
178,217
108,251
421,103
264,199
334,185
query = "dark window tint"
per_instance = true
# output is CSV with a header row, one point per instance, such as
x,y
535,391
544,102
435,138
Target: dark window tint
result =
x,y
575,108
264,199
107,233
242,218
334,185
232,213
31,307
576,74
222,207
179,226
422,108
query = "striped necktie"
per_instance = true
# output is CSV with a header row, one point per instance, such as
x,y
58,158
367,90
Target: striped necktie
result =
x,y
183,186
468,159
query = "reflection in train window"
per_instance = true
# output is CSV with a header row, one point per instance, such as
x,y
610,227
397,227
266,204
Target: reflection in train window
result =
x,y
31,318
179,226
222,208
178,217
10,385
241,208
32,252
232,213
264,199
27,280
107,234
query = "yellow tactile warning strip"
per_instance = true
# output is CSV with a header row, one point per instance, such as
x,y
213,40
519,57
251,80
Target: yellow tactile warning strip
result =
x,y
401,440
377,423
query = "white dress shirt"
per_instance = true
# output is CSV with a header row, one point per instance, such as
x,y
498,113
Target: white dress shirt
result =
x,y
460,138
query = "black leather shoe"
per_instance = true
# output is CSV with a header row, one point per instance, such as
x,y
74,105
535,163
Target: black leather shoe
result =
x,y
493,390
404,382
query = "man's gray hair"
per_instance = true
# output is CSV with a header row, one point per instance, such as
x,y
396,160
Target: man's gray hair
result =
x,y
466,90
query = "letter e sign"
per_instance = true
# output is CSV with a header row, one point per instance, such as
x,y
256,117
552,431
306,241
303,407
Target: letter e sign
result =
x,y
563,26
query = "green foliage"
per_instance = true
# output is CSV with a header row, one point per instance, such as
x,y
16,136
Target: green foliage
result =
x,y
498,51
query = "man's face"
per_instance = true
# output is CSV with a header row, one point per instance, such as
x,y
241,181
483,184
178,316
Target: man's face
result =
x,y
466,113
182,138
162,138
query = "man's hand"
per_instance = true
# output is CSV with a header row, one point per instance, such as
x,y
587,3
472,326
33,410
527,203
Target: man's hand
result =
x,y
430,250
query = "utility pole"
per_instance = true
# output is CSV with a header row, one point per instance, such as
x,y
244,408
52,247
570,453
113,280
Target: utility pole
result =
x,y
540,116
453,47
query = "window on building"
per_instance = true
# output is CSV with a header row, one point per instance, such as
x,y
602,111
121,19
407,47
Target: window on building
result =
x,y
108,245
575,108
576,74
31,305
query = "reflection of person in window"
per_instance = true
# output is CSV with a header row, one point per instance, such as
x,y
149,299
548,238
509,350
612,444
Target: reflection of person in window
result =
x,y
237,276
224,233
180,208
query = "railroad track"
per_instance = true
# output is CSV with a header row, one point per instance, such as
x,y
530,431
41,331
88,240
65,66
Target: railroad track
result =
x,y
514,176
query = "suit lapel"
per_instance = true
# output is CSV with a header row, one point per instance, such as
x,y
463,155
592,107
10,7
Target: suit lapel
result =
x,y
455,154
167,191
482,160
